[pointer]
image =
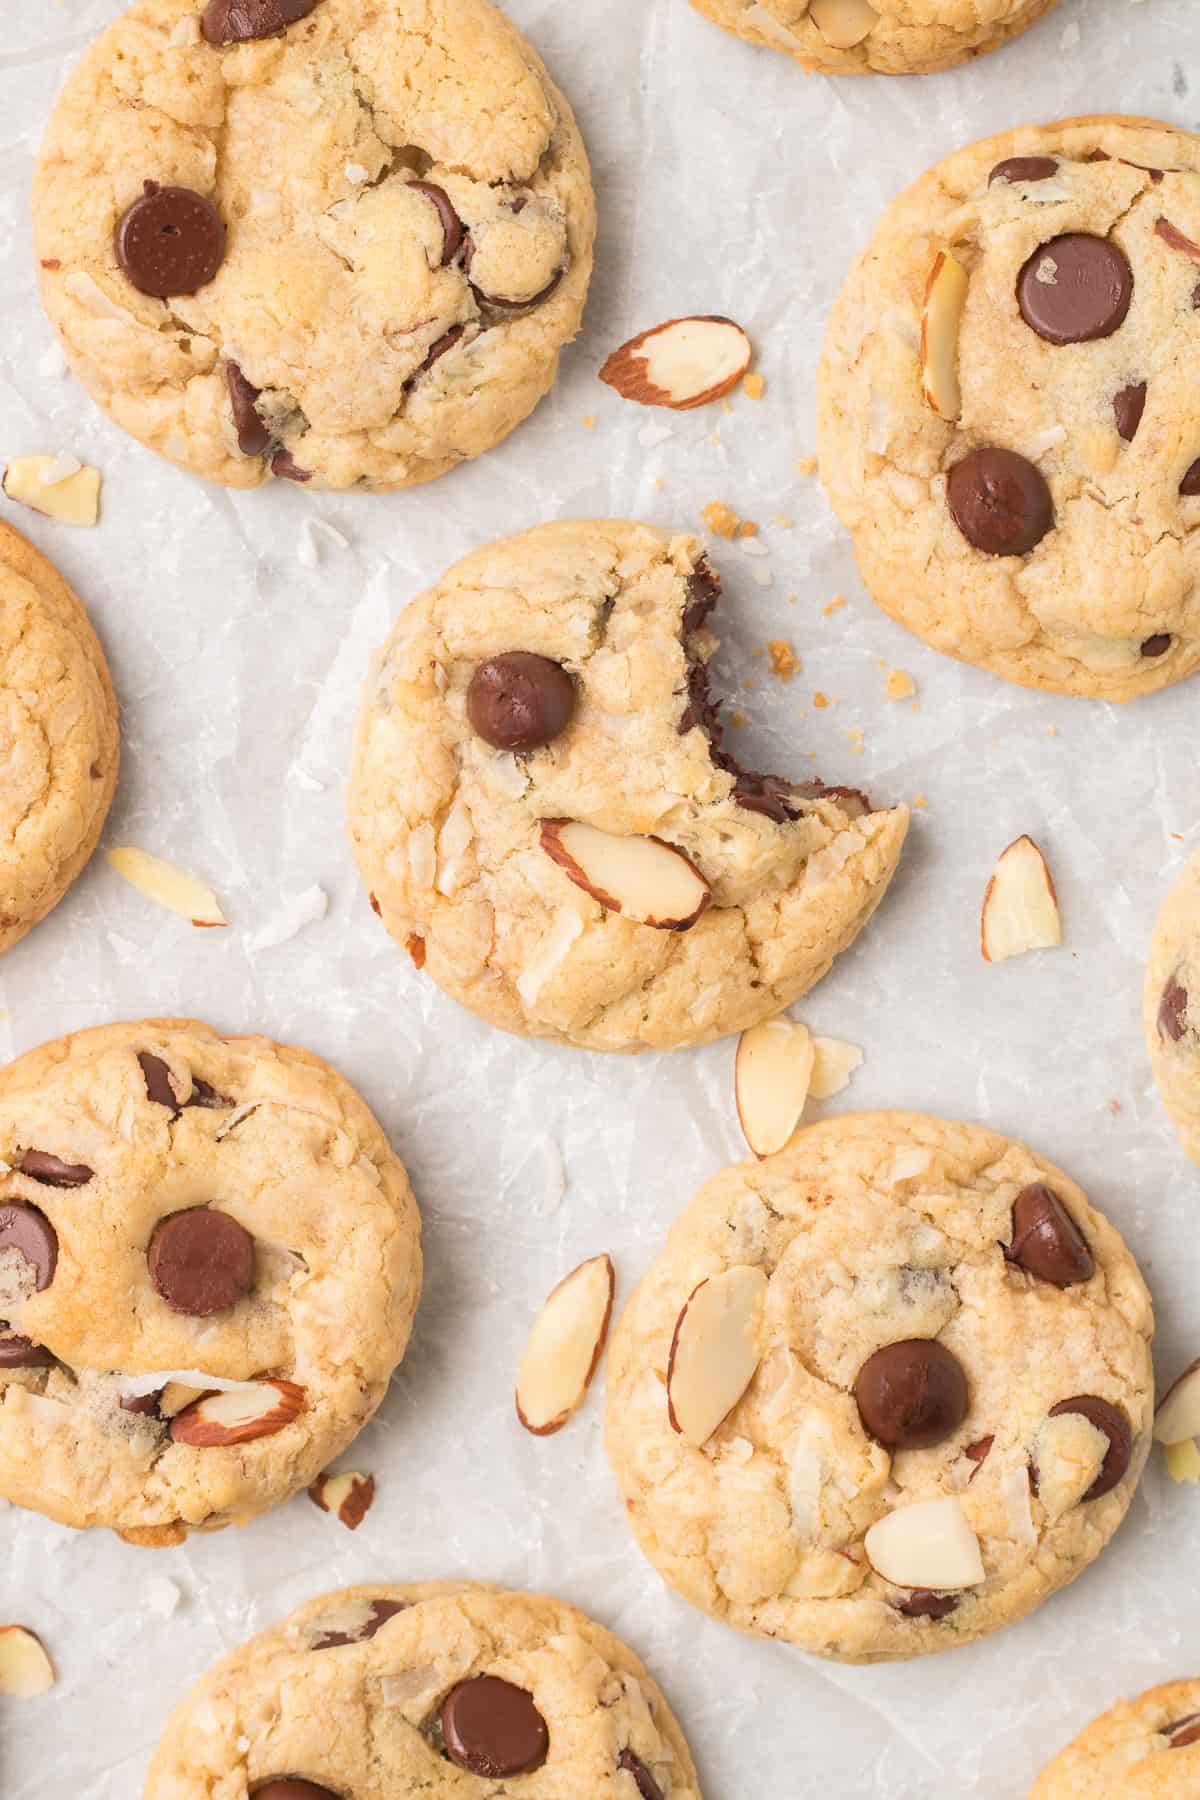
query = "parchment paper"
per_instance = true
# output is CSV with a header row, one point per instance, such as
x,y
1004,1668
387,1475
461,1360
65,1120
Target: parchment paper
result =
x,y
728,182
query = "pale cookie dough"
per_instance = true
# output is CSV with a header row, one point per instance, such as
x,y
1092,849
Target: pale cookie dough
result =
x,y
59,743
1171,1006
372,239
940,1317
884,37
608,622
1044,522
1144,1749
179,1208
439,1688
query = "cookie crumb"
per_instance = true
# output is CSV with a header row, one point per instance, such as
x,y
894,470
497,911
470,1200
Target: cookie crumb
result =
x,y
588,421
720,519
833,606
821,700
806,465
920,803
784,521
753,386
900,686
784,661
747,529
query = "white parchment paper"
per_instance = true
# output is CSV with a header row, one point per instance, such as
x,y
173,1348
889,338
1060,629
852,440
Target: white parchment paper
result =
x,y
728,182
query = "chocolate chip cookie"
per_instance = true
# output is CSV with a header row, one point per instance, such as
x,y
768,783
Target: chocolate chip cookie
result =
x,y
1171,1006
884,37
883,1392
1144,1749
339,242
1007,424
59,743
438,1688
545,817
209,1264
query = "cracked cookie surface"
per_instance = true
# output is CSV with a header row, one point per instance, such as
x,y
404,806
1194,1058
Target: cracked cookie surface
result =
x,y
1045,521
885,37
1143,1749
366,239
383,1692
466,846
178,1207
890,1233
1171,1006
59,741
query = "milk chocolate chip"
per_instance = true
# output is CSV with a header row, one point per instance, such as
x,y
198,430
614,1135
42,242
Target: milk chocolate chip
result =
x,y
170,242
492,1728
1000,502
643,1780
201,1262
1191,482
381,1612
923,1604
452,225
911,1394
1046,1241
1112,1423
1023,168
1075,288
237,21
1128,407
53,1171
17,1352
519,701
252,435
1172,1011
292,1787
28,1232
1158,645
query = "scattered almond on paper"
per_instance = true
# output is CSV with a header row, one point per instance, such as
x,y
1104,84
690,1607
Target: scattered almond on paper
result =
x,y
58,486
25,1668
1177,1425
348,1496
681,364
1020,906
167,886
564,1347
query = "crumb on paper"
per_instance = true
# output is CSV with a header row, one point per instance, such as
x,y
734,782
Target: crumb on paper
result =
x,y
720,519
784,521
832,606
784,661
754,386
821,701
588,421
920,802
834,1064
806,465
747,529
793,599
738,720
900,686
1052,731
856,741
750,687
1115,1107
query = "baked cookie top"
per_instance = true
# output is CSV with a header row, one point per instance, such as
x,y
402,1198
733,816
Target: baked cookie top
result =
x,y
1171,1006
434,1689
1144,1749
1008,427
337,241
946,1399
886,37
59,744
209,1264
544,816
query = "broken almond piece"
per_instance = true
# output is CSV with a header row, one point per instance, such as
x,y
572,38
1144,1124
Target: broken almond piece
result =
x,y
834,1062
715,1351
843,23
25,1668
771,1075
51,485
644,879
1171,234
348,1496
168,886
177,1395
256,1411
1178,1415
1183,1461
564,1347
684,363
1020,907
927,1545
944,297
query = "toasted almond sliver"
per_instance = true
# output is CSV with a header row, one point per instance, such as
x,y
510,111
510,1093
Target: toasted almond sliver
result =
x,y
715,1351
168,886
564,1347
944,300
1020,906
25,1668
927,1545
1178,1416
644,879
684,363
834,1063
843,23
72,498
772,1071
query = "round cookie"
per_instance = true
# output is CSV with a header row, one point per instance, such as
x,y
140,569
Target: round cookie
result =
x,y
440,1688
544,816
949,1394
1171,1006
883,37
59,743
339,242
1144,1749
209,1264
1007,422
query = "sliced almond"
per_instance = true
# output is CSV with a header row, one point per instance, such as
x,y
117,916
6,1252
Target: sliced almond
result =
x,y
834,1063
771,1075
642,878
684,363
843,23
37,482
927,1545
564,1347
715,1351
348,1496
221,1419
25,1668
1178,1415
168,886
1183,1461
1020,907
176,1396
944,297
1171,234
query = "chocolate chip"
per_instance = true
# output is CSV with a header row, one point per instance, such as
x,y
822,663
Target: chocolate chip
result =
x,y
1128,406
1097,156
252,435
517,305
144,1405
1191,481
204,1095
157,1077
1024,168
1172,1011
285,467
1184,1732
237,21
1046,1241
911,1394
17,1352
452,225
492,1728
170,242
643,1780
1112,1423
52,1171
201,1261
703,592
1158,645
439,348
922,1604
381,1612
978,1453
1000,502
519,701
292,1787
30,1233
1075,288
766,794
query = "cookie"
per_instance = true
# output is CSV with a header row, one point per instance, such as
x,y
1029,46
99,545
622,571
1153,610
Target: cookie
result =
x,y
59,743
883,1392
1171,1006
209,1264
1007,424
1145,1749
882,37
339,242
435,1688
544,816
